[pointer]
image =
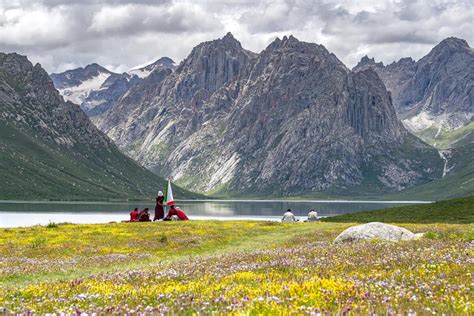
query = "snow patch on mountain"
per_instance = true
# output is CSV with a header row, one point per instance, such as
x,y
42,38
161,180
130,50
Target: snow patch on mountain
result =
x,y
419,122
448,121
141,73
77,94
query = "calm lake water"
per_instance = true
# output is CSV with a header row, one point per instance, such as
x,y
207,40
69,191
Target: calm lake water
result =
x,y
29,213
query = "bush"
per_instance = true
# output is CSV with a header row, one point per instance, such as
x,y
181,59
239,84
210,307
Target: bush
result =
x,y
52,225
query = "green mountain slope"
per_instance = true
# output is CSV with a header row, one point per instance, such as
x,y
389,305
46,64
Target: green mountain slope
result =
x,y
34,169
50,150
460,211
445,139
458,181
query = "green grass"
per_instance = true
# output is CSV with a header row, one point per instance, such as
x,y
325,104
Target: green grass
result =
x,y
459,211
35,168
238,267
162,241
448,138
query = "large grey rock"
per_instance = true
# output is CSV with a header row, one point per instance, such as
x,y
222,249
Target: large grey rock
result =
x,y
375,230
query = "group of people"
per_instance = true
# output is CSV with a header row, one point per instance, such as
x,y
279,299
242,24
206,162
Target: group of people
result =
x,y
289,217
174,213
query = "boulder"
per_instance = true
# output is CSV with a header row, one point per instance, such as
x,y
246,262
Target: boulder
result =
x,y
375,230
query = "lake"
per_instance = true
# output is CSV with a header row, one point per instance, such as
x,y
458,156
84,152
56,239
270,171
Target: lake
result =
x,y
29,213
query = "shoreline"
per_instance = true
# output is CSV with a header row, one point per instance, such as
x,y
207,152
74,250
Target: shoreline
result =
x,y
219,200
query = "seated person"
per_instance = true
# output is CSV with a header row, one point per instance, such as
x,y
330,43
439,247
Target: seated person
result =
x,y
175,211
144,215
312,216
134,215
288,217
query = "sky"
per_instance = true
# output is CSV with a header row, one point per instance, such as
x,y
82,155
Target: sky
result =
x,y
120,35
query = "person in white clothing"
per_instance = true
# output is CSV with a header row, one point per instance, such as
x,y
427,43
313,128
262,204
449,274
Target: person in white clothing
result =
x,y
288,217
312,216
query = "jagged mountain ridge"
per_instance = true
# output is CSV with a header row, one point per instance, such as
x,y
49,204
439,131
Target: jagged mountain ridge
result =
x,y
434,95
49,148
290,120
96,88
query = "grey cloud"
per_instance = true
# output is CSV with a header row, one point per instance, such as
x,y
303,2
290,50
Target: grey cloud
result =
x,y
132,19
124,33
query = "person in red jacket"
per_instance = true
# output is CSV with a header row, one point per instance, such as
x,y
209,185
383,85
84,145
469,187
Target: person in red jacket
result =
x,y
144,215
176,211
134,215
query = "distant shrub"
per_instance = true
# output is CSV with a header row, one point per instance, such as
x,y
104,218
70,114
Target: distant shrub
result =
x,y
432,235
38,242
52,225
470,235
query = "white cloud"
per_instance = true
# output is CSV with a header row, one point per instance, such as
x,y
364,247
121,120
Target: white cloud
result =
x,y
123,33
32,27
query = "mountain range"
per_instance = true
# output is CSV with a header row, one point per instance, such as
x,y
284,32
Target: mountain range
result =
x,y
434,96
96,89
49,149
292,120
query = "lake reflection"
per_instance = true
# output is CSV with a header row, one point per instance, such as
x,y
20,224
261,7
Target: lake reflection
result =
x,y
28,213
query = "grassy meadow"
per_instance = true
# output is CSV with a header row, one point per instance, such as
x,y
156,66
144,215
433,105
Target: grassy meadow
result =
x,y
454,211
240,267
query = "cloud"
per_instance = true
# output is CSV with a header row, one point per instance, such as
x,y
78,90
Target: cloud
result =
x,y
132,18
120,34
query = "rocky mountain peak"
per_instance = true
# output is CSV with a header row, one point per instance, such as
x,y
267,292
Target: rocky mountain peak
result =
x,y
160,64
227,42
94,67
447,48
286,41
290,44
405,61
453,42
229,38
291,119
433,92
15,64
366,62
290,40
164,61
212,64
296,54
75,77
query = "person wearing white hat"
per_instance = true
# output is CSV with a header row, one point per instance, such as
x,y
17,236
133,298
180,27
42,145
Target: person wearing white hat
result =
x,y
159,207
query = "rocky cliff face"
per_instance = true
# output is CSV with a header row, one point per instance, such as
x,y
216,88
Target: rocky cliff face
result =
x,y
435,92
291,120
30,101
50,149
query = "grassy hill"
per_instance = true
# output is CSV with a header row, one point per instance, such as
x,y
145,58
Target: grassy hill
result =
x,y
34,168
49,149
459,211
